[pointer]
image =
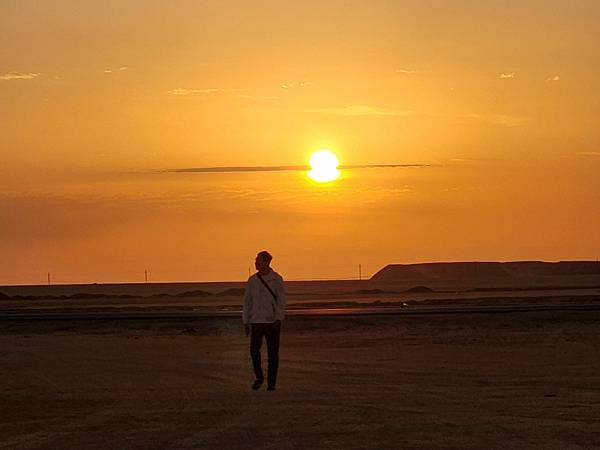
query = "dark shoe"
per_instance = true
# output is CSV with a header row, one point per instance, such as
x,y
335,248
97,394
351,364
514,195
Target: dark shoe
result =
x,y
271,388
257,384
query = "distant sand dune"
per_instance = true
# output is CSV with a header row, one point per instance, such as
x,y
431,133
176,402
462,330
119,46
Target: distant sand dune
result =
x,y
518,270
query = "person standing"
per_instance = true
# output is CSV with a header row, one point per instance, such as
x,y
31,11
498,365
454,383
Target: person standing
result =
x,y
262,314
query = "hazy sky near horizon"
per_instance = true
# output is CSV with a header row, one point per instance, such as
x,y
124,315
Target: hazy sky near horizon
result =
x,y
498,100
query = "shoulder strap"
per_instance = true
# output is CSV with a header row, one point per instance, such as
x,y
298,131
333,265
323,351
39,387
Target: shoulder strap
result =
x,y
267,286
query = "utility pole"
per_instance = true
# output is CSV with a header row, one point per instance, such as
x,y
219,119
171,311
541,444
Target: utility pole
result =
x,y
248,272
360,272
146,276
48,278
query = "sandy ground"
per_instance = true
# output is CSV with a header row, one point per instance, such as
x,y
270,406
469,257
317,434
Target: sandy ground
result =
x,y
528,380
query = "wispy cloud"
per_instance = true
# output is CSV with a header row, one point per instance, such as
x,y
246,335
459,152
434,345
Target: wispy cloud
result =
x,y
120,69
407,71
554,78
505,76
382,166
292,85
18,76
360,110
184,92
298,168
592,154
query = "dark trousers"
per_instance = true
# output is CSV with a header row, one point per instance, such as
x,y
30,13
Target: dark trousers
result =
x,y
271,333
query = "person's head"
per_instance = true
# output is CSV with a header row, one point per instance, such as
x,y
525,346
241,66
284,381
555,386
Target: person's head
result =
x,y
262,261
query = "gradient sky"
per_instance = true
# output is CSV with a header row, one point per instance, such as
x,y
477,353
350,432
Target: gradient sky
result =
x,y
498,100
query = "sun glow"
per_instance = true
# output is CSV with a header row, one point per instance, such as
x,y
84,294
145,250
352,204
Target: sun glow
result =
x,y
324,166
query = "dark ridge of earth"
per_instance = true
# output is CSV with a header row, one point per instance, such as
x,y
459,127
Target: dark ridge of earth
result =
x,y
516,270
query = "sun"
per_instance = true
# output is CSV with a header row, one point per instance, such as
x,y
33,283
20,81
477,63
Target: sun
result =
x,y
324,165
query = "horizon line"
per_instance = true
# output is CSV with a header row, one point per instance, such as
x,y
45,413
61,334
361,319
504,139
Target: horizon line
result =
x,y
349,278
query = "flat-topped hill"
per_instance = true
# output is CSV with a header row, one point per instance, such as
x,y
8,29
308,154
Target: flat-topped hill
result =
x,y
392,279
452,271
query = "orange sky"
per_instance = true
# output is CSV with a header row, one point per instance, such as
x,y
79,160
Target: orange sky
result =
x,y
500,100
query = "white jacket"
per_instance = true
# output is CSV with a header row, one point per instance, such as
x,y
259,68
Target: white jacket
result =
x,y
259,304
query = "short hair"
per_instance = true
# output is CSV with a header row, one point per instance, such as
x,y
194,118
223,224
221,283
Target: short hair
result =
x,y
265,255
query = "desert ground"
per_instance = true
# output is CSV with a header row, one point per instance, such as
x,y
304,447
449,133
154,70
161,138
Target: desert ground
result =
x,y
511,380
227,296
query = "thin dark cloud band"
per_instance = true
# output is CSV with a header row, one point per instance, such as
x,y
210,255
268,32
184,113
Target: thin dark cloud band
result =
x,y
229,169
379,166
